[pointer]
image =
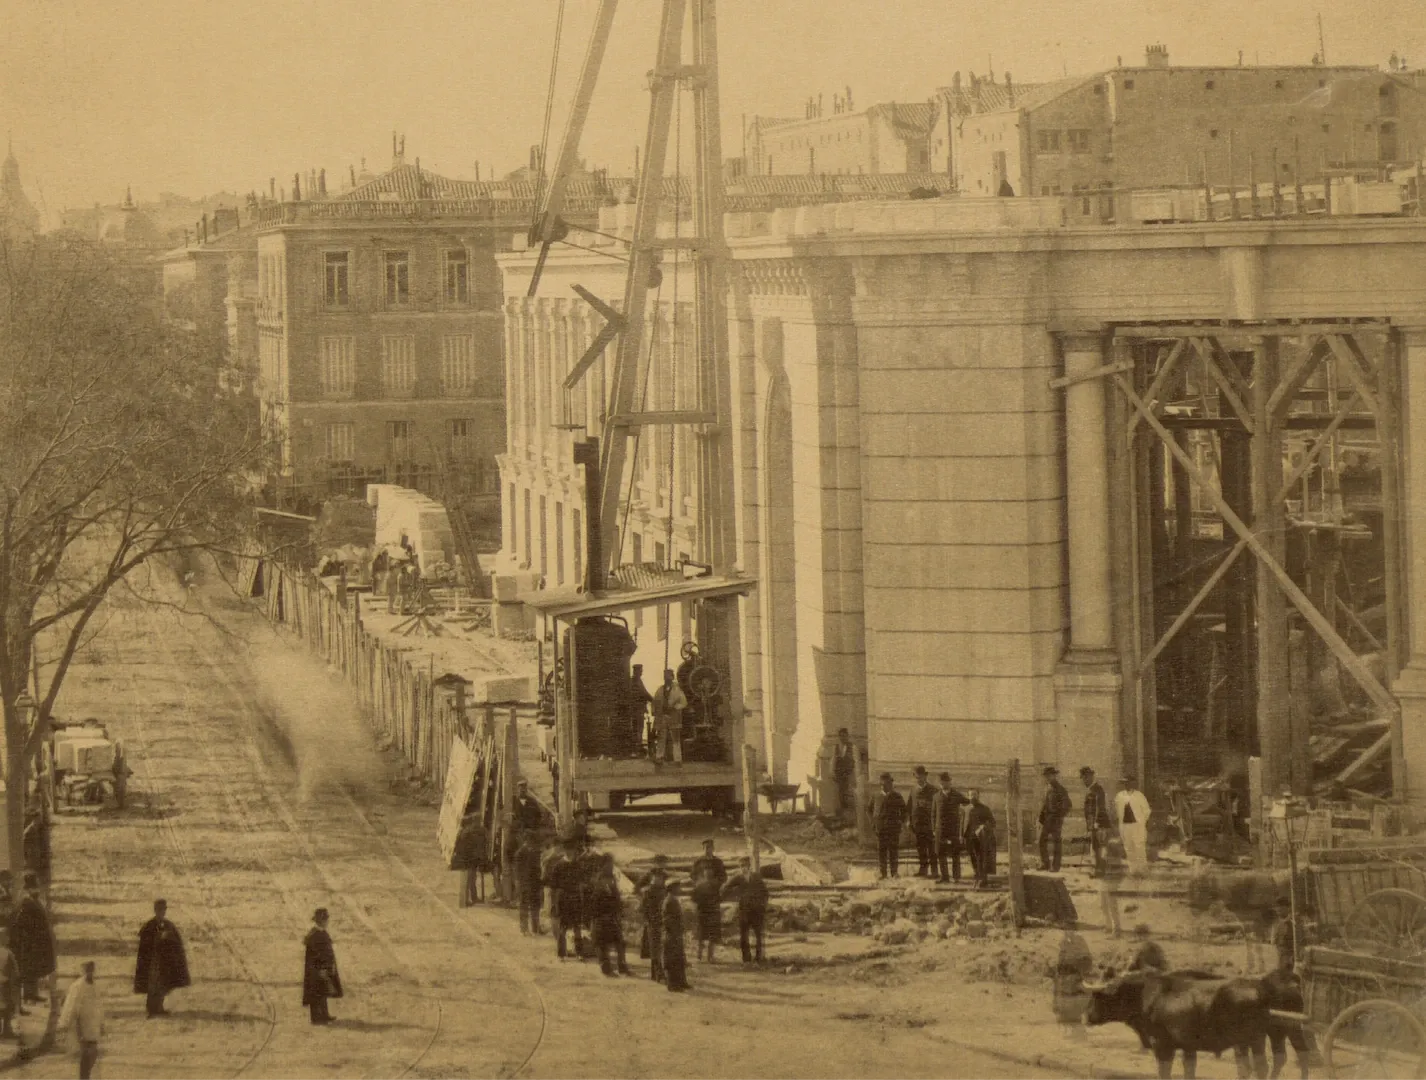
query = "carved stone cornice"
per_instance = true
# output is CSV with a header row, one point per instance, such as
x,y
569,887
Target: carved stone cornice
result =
x,y
774,277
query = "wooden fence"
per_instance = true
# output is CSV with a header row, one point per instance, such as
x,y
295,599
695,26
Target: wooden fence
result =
x,y
398,686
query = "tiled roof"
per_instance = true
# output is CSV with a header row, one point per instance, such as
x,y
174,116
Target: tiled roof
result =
x,y
915,116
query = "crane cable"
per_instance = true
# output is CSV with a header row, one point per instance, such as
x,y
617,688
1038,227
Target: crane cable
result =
x,y
549,111
677,340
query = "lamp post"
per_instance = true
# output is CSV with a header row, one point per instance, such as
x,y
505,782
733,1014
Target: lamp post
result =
x,y
1288,825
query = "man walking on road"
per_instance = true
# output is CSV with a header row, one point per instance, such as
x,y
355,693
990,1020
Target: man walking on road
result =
x,y
32,942
923,823
1053,811
163,964
84,1013
888,815
946,810
320,979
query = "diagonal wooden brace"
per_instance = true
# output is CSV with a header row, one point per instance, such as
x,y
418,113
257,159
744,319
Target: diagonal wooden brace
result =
x,y
1210,365
1161,376
1295,377
1340,649
1343,353
1194,604
613,327
1319,444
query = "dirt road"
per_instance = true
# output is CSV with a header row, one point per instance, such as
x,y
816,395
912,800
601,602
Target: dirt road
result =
x,y
259,795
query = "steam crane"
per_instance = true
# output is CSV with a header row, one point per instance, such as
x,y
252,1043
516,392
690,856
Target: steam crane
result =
x,y
598,730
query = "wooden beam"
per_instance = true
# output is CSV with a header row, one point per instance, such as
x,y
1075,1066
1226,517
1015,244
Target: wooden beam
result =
x,y
1369,755
1210,367
1350,660
1356,621
1084,376
656,418
1274,722
1354,373
1014,827
1194,604
1237,332
1295,377
1160,377
1315,450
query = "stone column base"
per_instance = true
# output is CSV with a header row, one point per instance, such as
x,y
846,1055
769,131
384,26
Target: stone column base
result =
x,y
1410,691
1087,714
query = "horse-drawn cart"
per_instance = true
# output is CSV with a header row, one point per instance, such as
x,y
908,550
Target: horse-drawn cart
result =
x,y
1369,1009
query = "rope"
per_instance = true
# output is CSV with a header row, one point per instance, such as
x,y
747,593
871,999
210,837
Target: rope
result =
x,y
549,110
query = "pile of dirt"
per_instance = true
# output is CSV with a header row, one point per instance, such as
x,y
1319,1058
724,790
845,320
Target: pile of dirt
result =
x,y
892,917
1027,960
806,833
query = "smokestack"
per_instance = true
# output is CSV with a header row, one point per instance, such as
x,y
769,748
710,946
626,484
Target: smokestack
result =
x,y
296,187
1009,89
322,183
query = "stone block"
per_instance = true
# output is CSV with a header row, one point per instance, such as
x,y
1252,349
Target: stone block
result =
x,y
504,688
982,391
962,697
948,566
900,740
894,521
950,610
967,653
961,435
946,479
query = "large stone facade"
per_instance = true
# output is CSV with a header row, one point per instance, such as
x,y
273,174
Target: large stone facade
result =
x,y
930,512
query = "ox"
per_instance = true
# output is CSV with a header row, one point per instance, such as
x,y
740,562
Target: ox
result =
x,y
1188,1011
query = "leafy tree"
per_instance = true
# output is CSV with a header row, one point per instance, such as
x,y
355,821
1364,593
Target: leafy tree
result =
x,y
119,446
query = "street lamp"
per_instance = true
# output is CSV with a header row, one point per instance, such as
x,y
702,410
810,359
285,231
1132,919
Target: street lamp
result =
x,y
1287,822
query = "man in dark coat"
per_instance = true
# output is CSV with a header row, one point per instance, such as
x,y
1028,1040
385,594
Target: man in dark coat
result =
x,y
471,857
528,881
36,840
749,889
1097,821
980,839
607,917
709,876
640,701
162,965
888,815
844,767
923,823
526,812
675,958
1053,811
567,899
320,979
32,941
653,890
946,810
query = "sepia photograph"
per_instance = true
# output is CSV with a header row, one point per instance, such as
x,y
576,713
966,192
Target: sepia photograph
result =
x,y
698,538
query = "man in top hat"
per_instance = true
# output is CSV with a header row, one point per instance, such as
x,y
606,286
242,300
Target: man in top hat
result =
x,y
320,978
162,964
32,941
1053,811
888,815
947,813
527,815
923,823
844,767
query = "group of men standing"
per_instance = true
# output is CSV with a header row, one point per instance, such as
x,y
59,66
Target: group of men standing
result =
x,y
1130,818
657,719
944,824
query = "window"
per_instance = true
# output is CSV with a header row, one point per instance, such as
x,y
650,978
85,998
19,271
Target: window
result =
x,y
1049,142
528,526
1208,84
1128,84
458,363
1326,127
1213,133
1049,189
578,538
338,365
398,279
1277,85
457,277
458,436
341,442
398,363
1078,140
399,437
559,543
544,539
336,293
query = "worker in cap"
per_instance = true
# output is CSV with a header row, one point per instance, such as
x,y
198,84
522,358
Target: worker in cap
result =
x,y
1054,809
888,815
923,823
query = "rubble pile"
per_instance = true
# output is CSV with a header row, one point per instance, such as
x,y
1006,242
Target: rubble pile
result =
x,y
807,833
900,917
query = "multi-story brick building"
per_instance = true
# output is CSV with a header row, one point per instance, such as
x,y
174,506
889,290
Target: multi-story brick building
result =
x,y
888,138
379,334
1164,126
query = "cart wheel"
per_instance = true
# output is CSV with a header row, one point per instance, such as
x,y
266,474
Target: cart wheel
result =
x,y
1390,922
1376,1038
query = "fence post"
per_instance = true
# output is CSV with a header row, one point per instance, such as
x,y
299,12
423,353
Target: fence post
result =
x,y
1015,828
509,774
750,805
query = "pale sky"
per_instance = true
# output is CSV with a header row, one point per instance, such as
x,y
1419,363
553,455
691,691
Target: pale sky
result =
x,y
193,96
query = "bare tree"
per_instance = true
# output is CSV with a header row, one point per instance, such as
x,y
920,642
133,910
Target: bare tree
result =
x,y
118,445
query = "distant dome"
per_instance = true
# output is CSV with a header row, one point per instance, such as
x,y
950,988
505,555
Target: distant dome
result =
x,y
128,225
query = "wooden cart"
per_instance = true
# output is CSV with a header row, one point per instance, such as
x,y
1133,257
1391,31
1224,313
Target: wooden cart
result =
x,y
1375,904
1368,1010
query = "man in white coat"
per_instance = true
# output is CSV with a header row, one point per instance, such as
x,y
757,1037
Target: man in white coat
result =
x,y
1131,811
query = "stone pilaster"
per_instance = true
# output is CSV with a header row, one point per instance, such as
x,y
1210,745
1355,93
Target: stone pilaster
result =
x,y
1087,680
1410,685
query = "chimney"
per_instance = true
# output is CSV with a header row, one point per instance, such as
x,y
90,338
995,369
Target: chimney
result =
x,y
848,99
1157,56
956,83
1009,89
352,168
322,183
819,104
272,188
